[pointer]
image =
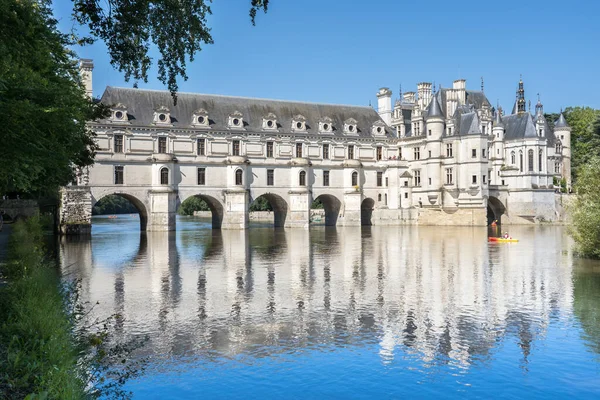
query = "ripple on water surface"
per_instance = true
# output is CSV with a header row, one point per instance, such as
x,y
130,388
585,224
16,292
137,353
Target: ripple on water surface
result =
x,y
348,312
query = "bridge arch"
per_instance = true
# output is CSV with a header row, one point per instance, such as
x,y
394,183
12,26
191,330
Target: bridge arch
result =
x,y
366,211
495,210
216,208
332,206
279,205
133,199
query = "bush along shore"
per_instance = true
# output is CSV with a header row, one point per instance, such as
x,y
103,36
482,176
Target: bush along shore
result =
x,y
51,346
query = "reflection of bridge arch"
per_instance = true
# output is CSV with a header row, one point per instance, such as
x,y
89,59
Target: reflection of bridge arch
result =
x,y
495,210
366,211
279,205
215,206
133,199
332,206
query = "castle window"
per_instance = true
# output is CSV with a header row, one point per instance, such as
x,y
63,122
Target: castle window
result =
x,y
162,117
473,153
400,153
299,150
355,178
270,149
302,178
530,160
325,151
540,158
406,195
201,176
386,182
164,176
558,148
119,174
417,153
483,179
520,161
449,150
512,158
385,197
483,129
474,179
429,154
351,152
325,178
235,148
119,115
449,131
379,178
379,153
118,143
162,144
239,177
429,132
557,168
483,153
449,176
270,177
201,147
417,178
379,197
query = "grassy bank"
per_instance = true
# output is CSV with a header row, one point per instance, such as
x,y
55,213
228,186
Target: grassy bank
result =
x,y
37,354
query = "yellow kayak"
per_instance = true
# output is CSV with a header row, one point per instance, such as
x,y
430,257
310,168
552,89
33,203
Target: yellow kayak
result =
x,y
502,240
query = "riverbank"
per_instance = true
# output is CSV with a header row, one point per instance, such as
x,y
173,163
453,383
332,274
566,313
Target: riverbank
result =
x,y
37,352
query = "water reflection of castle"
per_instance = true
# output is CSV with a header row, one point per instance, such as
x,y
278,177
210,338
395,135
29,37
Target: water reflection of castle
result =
x,y
444,295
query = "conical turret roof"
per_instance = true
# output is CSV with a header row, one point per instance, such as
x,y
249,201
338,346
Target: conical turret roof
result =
x,y
498,119
561,122
435,110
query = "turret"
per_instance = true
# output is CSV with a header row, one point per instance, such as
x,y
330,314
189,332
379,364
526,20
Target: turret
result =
x,y
562,131
540,120
520,102
435,120
384,105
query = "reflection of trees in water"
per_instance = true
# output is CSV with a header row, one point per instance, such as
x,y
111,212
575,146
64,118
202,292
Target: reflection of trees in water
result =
x,y
586,300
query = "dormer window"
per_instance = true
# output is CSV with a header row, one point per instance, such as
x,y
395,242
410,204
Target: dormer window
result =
x,y
236,120
162,116
119,113
200,118
326,125
270,122
299,123
378,128
350,126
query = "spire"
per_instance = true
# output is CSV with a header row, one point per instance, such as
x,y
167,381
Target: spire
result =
x,y
435,111
561,122
521,97
482,84
498,118
539,107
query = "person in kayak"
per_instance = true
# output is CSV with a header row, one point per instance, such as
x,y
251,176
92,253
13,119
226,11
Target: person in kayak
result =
x,y
506,236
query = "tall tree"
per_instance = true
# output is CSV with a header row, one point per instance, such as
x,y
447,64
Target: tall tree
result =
x,y
178,29
585,209
44,131
585,139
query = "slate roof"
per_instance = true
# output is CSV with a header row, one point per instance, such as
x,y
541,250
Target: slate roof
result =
x,y
561,122
141,104
435,110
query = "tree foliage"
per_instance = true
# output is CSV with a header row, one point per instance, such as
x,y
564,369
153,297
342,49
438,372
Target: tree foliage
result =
x,y
114,204
192,204
585,209
43,133
585,136
261,204
177,28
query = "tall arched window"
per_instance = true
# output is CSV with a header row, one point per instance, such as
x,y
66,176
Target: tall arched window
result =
x,y
520,161
379,197
354,178
164,176
530,160
540,161
239,177
512,158
302,178
558,147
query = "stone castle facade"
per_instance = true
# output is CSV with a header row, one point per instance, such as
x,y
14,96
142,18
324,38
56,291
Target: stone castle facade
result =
x,y
435,157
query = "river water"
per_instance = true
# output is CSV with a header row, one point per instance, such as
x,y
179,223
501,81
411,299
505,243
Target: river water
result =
x,y
379,312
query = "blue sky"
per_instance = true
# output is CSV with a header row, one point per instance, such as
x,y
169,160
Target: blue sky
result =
x,y
343,51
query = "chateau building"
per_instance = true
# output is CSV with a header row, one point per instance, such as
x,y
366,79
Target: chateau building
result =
x,y
436,157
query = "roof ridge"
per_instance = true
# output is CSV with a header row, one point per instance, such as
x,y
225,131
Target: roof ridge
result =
x,y
240,97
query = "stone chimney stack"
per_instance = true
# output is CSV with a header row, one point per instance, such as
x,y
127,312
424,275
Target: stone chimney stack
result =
x,y
85,69
460,85
409,97
424,92
384,105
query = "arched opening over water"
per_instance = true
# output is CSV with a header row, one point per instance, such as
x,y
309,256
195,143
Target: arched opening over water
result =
x,y
116,204
366,211
495,209
269,207
203,203
331,206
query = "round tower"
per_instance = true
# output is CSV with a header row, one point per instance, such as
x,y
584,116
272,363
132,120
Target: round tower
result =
x,y
562,131
434,120
497,152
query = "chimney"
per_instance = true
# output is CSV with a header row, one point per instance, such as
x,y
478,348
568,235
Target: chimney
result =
x,y
384,105
409,97
85,70
424,91
460,86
